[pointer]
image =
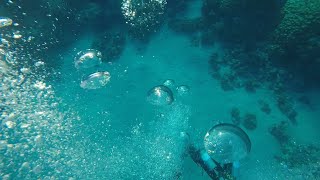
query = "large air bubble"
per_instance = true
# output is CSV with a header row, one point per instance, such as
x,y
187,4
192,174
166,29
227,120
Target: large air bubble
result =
x,y
96,80
5,21
87,59
227,143
160,95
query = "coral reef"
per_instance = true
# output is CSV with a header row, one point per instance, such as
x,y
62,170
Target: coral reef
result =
x,y
176,7
187,26
301,22
249,121
295,155
264,107
235,116
110,44
279,131
245,21
90,14
295,41
285,105
238,68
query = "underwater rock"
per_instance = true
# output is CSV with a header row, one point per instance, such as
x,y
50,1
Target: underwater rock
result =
x,y
187,26
226,83
264,107
143,17
249,121
111,45
295,41
279,131
235,116
92,13
301,20
285,105
250,86
297,155
242,20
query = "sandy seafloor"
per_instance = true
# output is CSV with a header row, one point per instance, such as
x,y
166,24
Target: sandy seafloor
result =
x,y
117,108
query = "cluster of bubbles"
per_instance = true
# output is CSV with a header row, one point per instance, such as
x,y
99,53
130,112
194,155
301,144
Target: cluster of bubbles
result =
x,y
162,94
153,152
143,16
35,136
88,59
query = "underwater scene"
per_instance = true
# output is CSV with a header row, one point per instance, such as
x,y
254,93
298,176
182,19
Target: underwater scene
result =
x,y
160,89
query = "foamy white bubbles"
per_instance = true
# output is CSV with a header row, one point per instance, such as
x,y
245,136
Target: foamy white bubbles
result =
x,y
95,80
160,95
87,59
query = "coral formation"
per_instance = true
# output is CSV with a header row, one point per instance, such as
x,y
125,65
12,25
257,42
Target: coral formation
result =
x,y
295,155
264,107
285,105
295,41
301,22
250,121
246,20
235,116
187,26
110,44
279,131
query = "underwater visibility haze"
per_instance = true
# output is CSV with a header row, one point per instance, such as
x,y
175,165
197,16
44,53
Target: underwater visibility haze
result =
x,y
160,89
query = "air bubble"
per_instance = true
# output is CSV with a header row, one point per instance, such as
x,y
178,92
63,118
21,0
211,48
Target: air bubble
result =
x,y
87,59
95,80
160,95
169,83
5,21
183,90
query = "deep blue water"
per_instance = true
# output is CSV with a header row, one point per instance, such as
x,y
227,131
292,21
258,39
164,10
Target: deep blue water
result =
x,y
125,89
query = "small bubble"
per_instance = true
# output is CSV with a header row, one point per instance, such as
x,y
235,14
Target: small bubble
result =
x,y
39,63
169,83
17,35
25,70
40,85
10,124
183,90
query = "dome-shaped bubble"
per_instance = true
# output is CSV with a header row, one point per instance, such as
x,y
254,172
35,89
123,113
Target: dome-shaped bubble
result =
x,y
227,143
183,90
88,58
169,83
160,95
95,80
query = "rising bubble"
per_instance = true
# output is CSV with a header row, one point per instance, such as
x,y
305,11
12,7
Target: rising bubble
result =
x,y
88,58
95,80
4,21
183,90
169,83
160,95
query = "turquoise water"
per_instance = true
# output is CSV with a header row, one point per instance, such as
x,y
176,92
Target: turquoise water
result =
x,y
53,128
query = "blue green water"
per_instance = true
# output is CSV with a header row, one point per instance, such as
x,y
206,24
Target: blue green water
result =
x,y
54,128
